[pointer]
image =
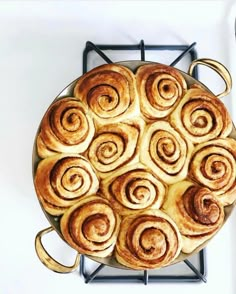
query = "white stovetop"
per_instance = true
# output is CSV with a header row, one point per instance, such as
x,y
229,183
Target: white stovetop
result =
x,y
40,52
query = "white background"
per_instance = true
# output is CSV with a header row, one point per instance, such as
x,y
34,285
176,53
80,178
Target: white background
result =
x,y
40,53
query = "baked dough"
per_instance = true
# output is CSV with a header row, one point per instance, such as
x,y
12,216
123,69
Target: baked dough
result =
x,y
60,181
200,116
133,188
110,92
196,211
165,151
160,88
114,146
213,165
66,127
91,226
147,240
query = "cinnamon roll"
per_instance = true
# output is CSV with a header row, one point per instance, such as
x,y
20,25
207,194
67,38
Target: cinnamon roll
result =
x,y
200,116
109,91
166,152
114,146
160,88
133,188
60,180
196,211
148,240
91,226
66,127
213,165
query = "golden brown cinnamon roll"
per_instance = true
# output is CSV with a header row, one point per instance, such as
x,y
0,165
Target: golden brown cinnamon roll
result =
x,y
114,146
109,91
196,211
66,127
166,152
133,188
60,180
200,116
213,165
91,226
160,88
148,240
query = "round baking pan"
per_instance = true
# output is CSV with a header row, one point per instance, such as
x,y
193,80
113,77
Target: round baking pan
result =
x,y
54,221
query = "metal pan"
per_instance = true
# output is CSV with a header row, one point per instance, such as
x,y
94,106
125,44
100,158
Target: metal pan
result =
x,y
41,251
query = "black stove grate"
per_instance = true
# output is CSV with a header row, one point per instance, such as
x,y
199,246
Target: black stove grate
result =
x,y
186,49
199,272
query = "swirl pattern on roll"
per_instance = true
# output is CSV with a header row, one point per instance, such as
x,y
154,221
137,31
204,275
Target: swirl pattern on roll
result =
x,y
200,116
196,211
60,181
213,165
160,88
109,91
66,127
148,240
91,226
133,188
114,146
166,152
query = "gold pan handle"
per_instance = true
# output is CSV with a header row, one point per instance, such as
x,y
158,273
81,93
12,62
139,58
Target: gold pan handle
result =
x,y
219,68
49,261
